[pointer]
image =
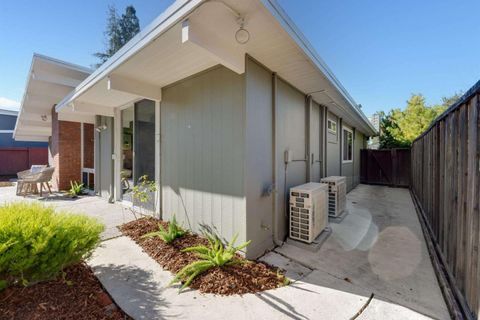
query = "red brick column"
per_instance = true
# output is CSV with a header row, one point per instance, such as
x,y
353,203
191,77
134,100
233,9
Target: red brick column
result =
x,y
65,150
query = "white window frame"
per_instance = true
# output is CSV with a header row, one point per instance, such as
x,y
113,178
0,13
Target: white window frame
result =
x,y
332,130
343,144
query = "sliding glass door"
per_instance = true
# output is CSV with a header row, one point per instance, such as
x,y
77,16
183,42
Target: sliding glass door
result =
x,y
138,149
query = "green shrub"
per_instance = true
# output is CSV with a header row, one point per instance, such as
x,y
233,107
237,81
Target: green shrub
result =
x,y
36,243
173,232
76,189
215,255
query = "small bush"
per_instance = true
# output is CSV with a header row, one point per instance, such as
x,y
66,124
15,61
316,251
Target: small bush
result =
x,y
36,243
76,189
215,255
173,232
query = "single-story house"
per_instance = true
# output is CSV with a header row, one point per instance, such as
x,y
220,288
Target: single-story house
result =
x,y
224,104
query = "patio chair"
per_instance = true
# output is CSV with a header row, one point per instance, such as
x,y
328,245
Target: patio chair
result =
x,y
29,182
23,174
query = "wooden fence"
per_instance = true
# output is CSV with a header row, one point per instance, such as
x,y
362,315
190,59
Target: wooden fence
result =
x,y
13,160
445,185
389,167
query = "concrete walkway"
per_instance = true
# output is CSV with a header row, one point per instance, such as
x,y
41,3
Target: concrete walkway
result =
x,y
378,248
110,214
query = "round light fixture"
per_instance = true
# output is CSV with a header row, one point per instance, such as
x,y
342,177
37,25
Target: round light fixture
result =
x,y
242,36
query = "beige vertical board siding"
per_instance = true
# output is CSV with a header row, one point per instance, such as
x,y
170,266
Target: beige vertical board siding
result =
x,y
259,157
203,152
291,134
347,168
316,141
333,148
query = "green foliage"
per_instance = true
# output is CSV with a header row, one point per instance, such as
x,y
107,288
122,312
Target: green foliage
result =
x,y
76,189
400,127
173,232
36,243
143,190
215,255
119,31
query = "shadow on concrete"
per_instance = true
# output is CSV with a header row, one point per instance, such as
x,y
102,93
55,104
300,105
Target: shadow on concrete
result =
x,y
134,290
280,305
379,248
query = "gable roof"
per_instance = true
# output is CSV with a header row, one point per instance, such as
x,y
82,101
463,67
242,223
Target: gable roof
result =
x,y
48,81
159,55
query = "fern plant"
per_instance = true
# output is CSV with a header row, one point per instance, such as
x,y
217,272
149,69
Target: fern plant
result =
x,y
213,255
76,189
173,232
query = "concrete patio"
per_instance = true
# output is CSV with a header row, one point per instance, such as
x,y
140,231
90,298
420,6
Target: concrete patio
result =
x,y
378,248
111,214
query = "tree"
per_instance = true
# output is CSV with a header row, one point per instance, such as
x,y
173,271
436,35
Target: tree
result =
x,y
118,32
399,128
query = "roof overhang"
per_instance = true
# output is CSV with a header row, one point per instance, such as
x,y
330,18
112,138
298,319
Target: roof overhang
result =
x,y
49,80
194,35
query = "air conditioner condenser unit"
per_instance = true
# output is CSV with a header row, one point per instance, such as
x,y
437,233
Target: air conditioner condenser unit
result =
x,y
308,211
337,195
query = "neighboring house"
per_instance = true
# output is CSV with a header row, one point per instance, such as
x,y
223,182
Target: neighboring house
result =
x,y
8,118
16,156
224,104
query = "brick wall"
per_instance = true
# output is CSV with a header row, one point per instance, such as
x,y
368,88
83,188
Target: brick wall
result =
x,y
65,145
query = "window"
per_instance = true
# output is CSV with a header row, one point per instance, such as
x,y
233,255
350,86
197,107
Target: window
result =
x,y
347,145
332,126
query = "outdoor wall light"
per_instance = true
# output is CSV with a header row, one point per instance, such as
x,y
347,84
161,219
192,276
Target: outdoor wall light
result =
x,y
101,128
242,35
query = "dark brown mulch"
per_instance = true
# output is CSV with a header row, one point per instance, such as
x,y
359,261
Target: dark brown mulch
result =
x,y
82,298
238,279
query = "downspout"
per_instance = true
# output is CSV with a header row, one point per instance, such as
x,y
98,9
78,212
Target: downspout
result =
x,y
325,140
96,157
308,135
276,240
113,157
340,137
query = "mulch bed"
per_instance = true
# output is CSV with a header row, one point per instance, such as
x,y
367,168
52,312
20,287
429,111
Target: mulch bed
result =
x,y
82,298
237,279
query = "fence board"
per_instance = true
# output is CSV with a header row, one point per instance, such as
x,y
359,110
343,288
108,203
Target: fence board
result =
x,y
385,167
445,181
13,160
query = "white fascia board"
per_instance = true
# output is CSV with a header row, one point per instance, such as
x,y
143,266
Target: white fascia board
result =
x,y
287,24
175,13
34,138
135,87
6,112
56,79
63,64
90,109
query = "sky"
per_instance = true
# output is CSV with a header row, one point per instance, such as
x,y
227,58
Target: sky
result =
x,y
382,51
